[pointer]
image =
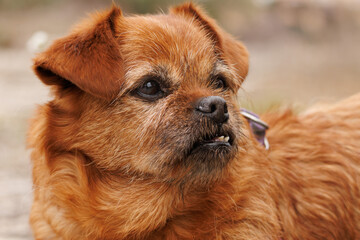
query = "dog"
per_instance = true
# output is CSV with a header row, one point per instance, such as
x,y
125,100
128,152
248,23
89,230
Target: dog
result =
x,y
144,139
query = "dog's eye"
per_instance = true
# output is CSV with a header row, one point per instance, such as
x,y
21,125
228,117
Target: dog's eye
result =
x,y
150,90
220,82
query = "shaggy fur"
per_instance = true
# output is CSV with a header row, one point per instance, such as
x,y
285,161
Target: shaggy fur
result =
x,y
109,164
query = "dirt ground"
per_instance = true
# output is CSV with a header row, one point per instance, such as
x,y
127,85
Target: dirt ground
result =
x,y
286,70
19,93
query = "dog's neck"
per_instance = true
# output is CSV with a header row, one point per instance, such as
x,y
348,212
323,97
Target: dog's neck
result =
x,y
165,207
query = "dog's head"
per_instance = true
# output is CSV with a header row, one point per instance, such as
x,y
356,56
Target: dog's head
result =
x,y
151,96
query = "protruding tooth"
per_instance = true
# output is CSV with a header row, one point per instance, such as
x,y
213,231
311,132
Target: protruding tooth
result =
x,y
226,139
221,138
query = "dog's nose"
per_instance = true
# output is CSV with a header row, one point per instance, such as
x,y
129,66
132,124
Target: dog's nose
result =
x,y
213,107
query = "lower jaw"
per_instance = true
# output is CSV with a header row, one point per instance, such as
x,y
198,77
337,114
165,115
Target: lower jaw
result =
x,y
210,156
207,165
211,147
215,144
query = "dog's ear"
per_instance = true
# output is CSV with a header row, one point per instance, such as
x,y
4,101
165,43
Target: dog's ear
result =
x,y
89,57
231,51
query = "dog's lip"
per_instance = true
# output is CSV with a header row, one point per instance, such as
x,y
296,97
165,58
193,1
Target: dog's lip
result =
x,y
221,139
217,139
214,144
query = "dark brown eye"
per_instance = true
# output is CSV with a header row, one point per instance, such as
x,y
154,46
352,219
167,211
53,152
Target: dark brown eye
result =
x,y
150,90
220,82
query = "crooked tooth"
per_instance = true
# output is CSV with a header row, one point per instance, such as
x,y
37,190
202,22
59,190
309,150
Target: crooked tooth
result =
x,y
226,139
219,139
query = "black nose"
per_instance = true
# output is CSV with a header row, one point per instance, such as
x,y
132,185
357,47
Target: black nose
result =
x,y
213,107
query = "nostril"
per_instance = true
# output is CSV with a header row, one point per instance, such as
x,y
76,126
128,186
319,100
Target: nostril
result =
x,y
213,108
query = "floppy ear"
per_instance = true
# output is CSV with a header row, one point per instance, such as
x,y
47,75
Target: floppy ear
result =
x,y
88,58
231,51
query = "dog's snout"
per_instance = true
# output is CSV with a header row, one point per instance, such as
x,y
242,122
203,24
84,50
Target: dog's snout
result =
x,y
213,107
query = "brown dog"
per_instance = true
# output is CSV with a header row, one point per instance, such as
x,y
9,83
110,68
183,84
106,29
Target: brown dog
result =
x,y
144,140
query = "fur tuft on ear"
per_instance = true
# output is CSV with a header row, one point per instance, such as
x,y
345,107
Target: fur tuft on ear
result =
x,y
89,57
231,51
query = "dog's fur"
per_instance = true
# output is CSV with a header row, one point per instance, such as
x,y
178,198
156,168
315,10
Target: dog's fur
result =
x,y
108,164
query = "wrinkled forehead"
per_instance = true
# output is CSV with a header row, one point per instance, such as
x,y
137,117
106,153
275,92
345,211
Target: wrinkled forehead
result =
x,y
166,42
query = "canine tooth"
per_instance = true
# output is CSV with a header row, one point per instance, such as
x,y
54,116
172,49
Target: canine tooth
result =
x,y
221,138
226,139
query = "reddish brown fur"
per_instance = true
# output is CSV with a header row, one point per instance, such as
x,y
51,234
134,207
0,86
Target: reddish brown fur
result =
x,y
108,165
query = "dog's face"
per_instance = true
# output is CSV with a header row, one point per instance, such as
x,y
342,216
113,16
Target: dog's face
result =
x,y
147,96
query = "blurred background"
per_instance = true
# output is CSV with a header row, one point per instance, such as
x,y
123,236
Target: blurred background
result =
x,y
301,52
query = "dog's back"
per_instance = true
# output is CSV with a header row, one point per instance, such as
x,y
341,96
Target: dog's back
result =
x,y
316,162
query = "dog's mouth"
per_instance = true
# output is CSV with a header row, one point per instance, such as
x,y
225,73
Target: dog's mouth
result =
x,y
219,140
